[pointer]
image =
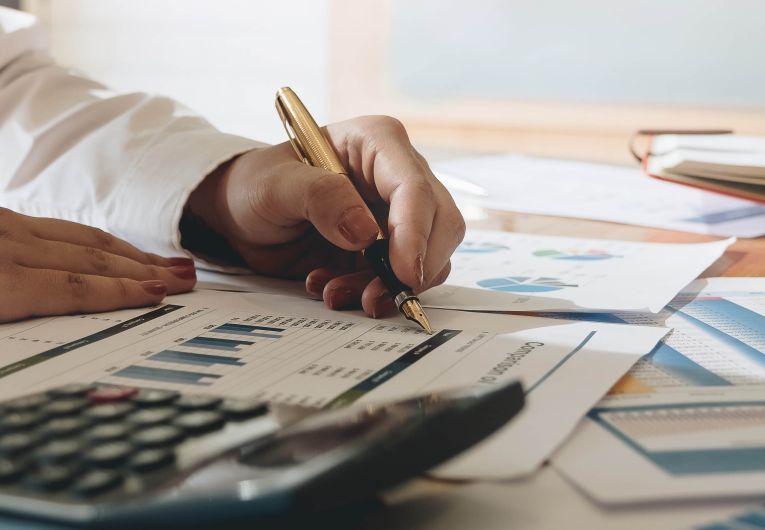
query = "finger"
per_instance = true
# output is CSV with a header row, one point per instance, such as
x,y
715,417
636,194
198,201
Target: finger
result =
x,y
448,232
376,300
344,292
442,275
36,292
380,154
328,200
88,236
410,223
296,258
317,279
79,259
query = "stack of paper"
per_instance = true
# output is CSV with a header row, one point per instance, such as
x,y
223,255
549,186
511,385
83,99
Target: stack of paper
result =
x,y
596,191
688,421
724,163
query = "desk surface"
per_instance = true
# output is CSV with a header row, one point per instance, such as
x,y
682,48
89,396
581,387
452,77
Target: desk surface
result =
x,y
547,501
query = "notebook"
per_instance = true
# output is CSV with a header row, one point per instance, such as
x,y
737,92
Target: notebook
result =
x,y
725,163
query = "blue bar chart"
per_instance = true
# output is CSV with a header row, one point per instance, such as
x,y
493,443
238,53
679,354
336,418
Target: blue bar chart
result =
x,y
738,326
247,330
198,359
221,349
214,343
164,375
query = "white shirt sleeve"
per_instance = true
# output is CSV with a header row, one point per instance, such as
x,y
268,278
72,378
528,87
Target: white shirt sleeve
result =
x,y
72,149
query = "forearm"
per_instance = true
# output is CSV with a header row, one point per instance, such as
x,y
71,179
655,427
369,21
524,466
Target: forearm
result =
x,y
75,150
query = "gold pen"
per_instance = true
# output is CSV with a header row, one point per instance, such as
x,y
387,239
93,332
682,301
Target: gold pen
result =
x,y
315,150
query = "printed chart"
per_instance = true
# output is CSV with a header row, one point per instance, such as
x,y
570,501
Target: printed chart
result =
x,y
502,271
589,254
688,420
474,247
523,284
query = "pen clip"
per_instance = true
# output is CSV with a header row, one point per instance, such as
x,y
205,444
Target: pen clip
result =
x,y
294,141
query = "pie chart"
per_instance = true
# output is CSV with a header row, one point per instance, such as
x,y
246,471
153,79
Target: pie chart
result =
x,y
575,255
469,247
524,284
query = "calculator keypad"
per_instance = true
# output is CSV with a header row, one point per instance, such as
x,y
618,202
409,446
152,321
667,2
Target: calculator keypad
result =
x,y
83,440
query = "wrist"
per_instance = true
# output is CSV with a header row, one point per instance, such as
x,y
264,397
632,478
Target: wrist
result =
x,y
205,220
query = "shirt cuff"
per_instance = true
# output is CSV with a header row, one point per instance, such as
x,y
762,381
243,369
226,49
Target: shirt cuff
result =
x,y
149,202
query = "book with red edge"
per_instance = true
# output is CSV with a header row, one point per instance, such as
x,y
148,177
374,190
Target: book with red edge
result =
x,y
727,164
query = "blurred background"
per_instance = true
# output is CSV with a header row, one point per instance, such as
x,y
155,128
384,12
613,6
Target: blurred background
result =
x,y
555,78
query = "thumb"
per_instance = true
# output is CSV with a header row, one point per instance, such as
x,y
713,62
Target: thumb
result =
x,y
327,200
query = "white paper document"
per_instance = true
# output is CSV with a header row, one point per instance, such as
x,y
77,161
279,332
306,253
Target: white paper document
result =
x,y
249,283
597,191
501,271
688,421
544,501
296,351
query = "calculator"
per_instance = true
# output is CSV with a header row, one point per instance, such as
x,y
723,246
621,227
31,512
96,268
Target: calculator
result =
x,y
105,456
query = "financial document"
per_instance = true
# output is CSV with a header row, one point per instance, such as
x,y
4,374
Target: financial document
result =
x,y
688,421
597,191
296,351
502,271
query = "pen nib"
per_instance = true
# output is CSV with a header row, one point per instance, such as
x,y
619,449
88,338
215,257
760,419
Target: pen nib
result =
x,y
413,311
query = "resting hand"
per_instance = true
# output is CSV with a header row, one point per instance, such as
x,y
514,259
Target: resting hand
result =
x,y
52,267
287,219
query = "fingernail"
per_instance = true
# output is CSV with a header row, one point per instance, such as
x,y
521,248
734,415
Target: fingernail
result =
x,y
340,298
419,270
184,272
155,287
182,262
315,283
382,305
357,226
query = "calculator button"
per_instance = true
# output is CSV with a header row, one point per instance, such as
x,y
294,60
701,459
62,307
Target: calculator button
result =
x,y
10,470
58,451
109,454
198,402
158,436
71,391
110,394
155,397
109,411
106,432
152,416
20,421
151,460
200,421
17,443
26,403
242,409
65,407
51,477
59,427
97,481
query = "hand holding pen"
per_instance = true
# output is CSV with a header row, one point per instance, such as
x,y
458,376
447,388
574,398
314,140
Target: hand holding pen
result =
x,y
287,219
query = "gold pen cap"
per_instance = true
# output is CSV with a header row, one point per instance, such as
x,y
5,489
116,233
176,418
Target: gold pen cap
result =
x,y
311,146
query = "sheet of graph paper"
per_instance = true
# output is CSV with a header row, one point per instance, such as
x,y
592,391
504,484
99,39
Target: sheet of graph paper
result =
x,y
688,421
503,271
290,350
597,191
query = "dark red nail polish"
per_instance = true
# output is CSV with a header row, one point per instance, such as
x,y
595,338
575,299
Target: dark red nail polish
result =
x,y
184,272
155,287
